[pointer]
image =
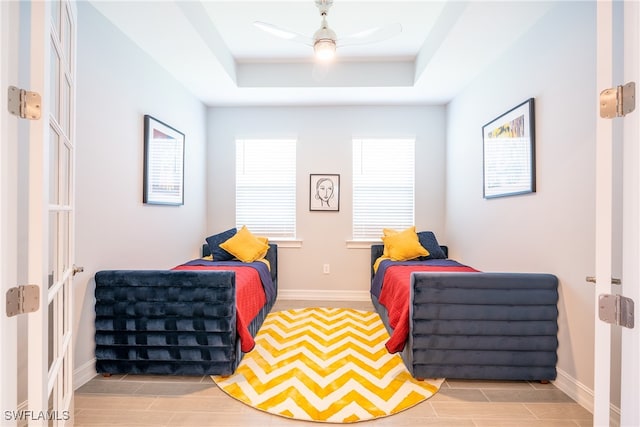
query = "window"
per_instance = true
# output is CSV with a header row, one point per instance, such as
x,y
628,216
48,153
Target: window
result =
x,y
383,186
266,187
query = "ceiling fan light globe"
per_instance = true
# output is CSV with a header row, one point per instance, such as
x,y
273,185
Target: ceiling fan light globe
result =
x,y
324,49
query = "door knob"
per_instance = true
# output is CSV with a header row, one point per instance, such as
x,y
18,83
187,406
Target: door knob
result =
x,y
614,281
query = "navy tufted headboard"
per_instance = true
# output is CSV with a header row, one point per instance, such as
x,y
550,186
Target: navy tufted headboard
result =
x,y
272,257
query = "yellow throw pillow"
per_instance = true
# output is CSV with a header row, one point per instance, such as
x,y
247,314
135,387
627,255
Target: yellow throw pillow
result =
x,y
403,245
391,231
245,246
388,232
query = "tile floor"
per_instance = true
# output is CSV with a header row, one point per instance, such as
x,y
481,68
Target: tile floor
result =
x,y
135,400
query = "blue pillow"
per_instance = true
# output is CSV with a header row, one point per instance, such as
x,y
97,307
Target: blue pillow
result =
x,y
214,241
429,242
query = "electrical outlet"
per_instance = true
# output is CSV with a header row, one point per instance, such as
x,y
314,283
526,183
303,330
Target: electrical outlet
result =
x,y
326,269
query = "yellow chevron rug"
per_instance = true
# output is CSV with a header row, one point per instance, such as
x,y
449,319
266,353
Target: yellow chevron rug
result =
x,y
325,364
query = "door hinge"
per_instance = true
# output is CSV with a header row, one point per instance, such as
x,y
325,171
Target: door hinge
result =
x,y
75,270
24,104
23,299
618,101
616,309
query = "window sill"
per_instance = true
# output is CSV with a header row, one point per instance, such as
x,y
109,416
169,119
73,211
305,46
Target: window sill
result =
x,y
362,244
288,243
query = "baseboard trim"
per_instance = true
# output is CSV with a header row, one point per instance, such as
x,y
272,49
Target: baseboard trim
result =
x,y
573,388
84,374
582,394
323,295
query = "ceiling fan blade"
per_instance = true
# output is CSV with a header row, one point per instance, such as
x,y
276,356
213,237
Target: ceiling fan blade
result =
x,y
282,33
371,35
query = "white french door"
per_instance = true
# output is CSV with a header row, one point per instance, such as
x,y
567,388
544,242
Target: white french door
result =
x,y
617,177
42,36
604,217
630,381
51,213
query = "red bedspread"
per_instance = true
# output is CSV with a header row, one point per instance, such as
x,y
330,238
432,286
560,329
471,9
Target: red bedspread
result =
x,y
250,298
395,296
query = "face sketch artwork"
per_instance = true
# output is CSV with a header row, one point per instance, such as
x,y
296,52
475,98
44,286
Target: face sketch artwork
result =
x,y
324,191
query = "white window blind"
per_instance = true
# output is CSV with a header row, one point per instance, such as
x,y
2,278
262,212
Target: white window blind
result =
x,y
266,186
383,186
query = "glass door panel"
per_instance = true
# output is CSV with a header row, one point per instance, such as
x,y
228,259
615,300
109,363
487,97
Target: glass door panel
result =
x,y
65,175
52,271
51,339
54,104
54,184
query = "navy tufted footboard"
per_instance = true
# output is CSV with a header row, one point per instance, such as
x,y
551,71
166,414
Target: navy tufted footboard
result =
x,y
165,322
498,326
170,322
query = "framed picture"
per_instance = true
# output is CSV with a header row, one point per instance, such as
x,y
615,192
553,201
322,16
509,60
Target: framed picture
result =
x,y
324,192
163,163
509,152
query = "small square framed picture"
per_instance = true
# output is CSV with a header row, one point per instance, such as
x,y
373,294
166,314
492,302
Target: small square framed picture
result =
x,y
324,192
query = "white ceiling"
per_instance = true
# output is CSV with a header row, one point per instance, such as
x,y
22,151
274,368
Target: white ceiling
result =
x,y
214,49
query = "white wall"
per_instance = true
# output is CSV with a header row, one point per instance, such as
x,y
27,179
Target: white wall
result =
x,y
553,229
117,85
324,137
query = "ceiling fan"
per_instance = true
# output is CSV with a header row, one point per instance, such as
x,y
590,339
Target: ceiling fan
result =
x,y
325,41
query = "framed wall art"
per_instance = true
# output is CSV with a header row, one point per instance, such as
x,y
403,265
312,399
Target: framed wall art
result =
x,y
509,152
163,182
324,192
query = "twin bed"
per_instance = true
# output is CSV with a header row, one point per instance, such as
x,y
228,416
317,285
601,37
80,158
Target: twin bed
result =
x,y
462,323
447,320
196,319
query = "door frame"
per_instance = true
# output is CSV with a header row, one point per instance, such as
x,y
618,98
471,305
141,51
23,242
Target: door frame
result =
x,y
9,17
